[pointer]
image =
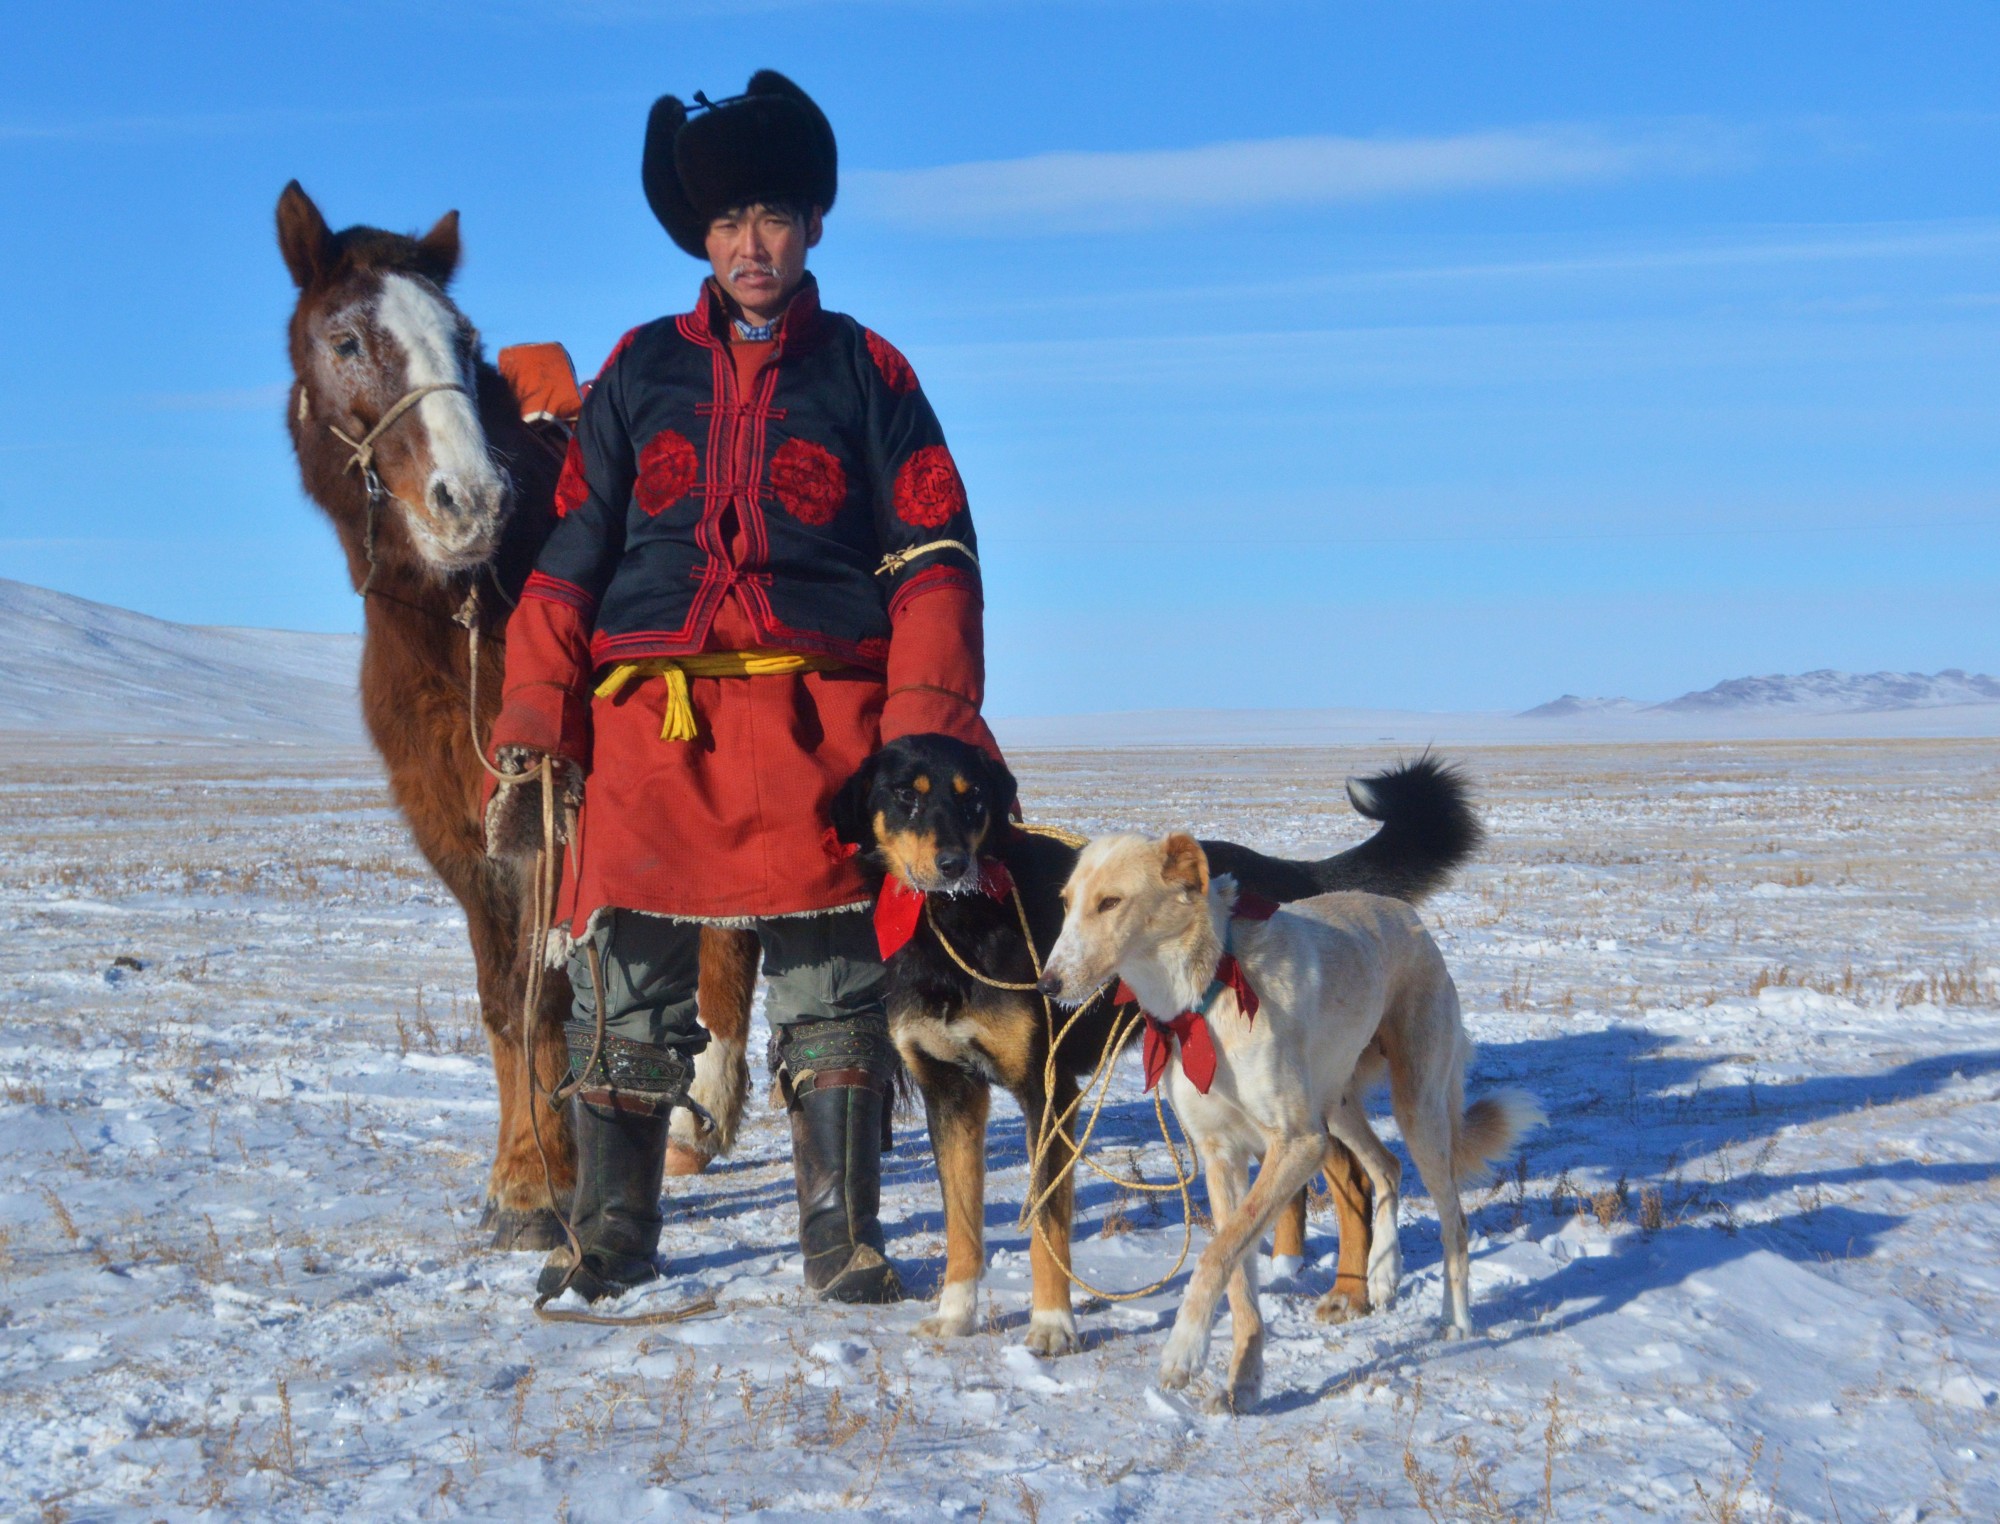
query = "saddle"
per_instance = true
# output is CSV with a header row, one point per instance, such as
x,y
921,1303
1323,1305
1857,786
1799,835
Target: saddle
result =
x,y
544,383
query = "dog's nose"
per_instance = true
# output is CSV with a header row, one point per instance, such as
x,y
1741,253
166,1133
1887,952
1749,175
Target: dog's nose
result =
x,y
1049,984
953,864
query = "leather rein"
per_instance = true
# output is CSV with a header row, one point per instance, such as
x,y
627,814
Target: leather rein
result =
x,y
363,459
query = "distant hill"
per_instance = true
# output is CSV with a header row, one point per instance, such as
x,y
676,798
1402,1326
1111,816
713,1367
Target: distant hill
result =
x,y
72,667
1826,692
1808,693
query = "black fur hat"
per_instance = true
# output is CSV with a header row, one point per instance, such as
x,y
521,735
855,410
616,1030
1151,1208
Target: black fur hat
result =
x,y
770,143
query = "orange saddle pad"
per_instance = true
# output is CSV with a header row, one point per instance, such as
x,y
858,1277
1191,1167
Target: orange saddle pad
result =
x,y
544,381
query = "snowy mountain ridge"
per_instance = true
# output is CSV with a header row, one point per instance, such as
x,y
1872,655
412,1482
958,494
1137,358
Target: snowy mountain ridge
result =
x,y
1821,692
69,666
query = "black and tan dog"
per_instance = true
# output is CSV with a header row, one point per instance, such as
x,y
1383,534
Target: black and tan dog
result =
x,y
933,814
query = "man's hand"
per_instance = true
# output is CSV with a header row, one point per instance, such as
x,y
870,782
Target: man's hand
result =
x,y
514,816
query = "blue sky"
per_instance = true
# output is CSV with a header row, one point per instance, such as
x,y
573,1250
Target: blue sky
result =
x,y
1414,355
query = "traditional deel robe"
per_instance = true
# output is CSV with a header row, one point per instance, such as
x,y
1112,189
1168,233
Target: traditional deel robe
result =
x,y
722,497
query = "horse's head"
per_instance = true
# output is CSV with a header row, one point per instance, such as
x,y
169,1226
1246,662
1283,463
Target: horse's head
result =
x,y
387,382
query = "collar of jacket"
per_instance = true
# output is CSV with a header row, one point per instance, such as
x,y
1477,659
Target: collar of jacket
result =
x,y
714,309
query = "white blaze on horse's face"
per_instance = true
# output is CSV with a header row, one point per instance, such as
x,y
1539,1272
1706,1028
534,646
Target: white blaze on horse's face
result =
x,y
455,498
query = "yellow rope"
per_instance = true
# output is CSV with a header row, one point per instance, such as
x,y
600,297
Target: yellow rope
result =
x,y
896,560
678,723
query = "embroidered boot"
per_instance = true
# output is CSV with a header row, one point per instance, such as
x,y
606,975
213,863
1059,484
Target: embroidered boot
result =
x,y
835,1079
621,1149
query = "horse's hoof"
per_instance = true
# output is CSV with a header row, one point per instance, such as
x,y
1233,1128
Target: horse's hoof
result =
x,y
535,1230
683,1160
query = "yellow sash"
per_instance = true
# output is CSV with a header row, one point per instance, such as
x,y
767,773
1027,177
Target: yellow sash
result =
x,y
678,724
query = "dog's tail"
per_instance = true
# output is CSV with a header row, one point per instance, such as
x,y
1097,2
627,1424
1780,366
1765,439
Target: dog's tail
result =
x,y
1488,1131
1428,829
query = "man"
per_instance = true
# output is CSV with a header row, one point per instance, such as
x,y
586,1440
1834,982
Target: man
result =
x,y
764,568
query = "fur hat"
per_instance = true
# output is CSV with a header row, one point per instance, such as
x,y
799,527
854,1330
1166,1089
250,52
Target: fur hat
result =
x,y
770,143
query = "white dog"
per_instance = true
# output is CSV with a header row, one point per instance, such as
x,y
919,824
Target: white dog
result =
x,y
1282,1019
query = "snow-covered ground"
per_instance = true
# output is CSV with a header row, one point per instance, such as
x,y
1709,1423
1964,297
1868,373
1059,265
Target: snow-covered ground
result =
x,y
1750,1270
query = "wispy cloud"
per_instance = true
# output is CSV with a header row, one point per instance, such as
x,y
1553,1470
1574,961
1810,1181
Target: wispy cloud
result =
x,y
1082,190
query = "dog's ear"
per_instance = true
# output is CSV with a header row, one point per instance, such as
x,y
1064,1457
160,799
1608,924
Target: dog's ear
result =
x,y
850,806
1002,791
1184,864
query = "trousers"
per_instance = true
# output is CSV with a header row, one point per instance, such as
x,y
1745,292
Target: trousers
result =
x,y
817,967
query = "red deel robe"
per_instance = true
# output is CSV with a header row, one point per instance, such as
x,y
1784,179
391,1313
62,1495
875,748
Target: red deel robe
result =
x,y
734,823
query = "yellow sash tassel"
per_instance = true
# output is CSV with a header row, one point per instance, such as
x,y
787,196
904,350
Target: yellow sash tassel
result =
x,y
679,725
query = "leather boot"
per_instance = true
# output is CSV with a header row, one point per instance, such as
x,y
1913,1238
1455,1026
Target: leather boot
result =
x,y
835,1079
621,1150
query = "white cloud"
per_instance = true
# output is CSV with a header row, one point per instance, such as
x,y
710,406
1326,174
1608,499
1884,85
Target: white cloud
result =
x,y
1080,191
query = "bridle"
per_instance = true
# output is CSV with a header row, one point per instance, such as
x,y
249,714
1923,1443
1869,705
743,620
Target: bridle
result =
x,y
363,459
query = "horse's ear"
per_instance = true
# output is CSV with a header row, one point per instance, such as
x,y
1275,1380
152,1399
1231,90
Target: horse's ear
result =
x,y
438,249
303,236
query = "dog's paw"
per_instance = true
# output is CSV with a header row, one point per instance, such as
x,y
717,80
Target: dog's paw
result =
x,y
1452,1332
1246,1385
957,1313
1340,1305
1385,1271
1052,1332
1181,1361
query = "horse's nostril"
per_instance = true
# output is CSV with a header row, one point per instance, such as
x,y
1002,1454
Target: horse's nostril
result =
x,y
441,498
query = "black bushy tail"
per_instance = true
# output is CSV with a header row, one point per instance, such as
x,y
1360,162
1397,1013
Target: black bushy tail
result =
x,y
1428,830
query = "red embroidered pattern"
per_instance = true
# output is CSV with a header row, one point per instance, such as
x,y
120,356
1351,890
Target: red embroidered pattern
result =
x,y
928,491
809,481
889,360
666,471
571,488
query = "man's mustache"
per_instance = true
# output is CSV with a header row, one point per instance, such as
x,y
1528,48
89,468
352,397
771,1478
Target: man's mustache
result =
x,y
753,267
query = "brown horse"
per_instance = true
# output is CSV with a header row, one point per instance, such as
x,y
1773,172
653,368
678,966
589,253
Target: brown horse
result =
x,y
415,447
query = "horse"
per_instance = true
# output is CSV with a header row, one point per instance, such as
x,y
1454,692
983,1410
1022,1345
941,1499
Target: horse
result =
x,y
441,496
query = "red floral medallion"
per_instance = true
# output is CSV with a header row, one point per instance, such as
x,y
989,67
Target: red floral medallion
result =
x,y
889,360
666,471
571,488
928,491
809,481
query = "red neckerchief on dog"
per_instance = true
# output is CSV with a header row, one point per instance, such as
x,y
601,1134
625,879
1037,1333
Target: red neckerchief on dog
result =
x,y
1190,1028
899,908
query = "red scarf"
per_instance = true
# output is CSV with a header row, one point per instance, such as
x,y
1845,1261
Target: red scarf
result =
x,y
1190,1028
899,907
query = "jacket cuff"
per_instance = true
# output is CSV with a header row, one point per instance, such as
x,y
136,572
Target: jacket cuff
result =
x,y
545,703
937,666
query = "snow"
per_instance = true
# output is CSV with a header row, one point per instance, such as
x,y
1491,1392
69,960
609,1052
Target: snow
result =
x,y
1747,1271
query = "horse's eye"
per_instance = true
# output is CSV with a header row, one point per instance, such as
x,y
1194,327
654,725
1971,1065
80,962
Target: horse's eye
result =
x,y
1109,903
347,346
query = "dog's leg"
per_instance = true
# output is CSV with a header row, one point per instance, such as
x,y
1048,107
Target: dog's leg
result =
x,y
1428,1138
1288,1240
1349,1296
955,1109
1286,1168
1052,1323
1348,1123
1246,1318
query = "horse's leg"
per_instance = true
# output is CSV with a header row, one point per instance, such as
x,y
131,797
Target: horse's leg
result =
x,y
721,1070
1353,1204
526,1169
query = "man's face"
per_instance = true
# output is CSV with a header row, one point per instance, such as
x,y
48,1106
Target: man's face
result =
x,y
759,255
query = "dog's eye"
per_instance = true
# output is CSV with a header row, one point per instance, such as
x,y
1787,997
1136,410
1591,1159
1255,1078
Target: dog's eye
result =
x,y
1109,903
907,798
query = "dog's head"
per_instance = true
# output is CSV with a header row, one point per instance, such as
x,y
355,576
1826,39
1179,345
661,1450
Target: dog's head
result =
x,y
923,808
1126,898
